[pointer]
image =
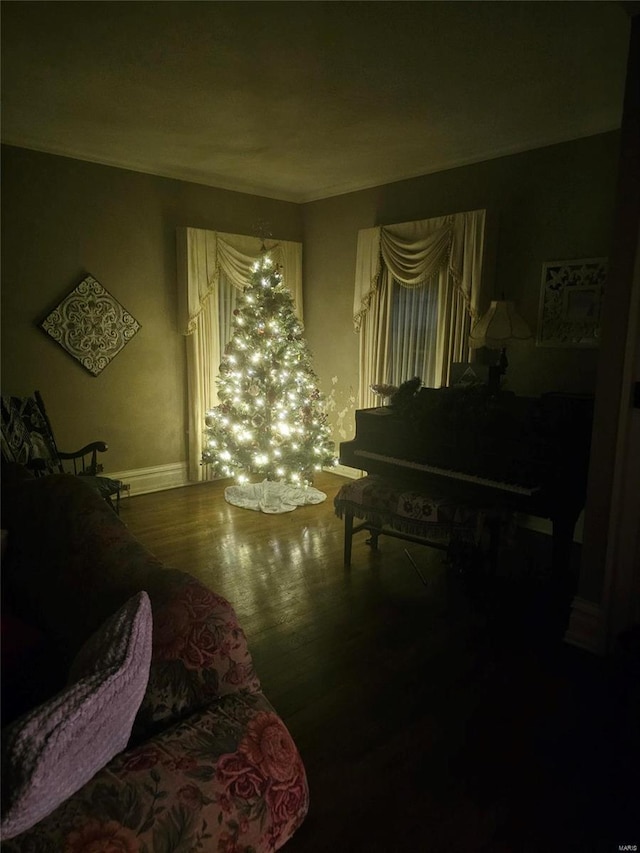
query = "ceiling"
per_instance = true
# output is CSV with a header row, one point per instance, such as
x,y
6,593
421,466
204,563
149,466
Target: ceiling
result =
x,y
304,100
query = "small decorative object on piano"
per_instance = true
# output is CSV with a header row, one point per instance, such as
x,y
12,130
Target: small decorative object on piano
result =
x,y
465,375
383,390
405,393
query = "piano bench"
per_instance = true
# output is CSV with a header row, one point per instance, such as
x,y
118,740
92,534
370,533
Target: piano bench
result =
x,y
394,509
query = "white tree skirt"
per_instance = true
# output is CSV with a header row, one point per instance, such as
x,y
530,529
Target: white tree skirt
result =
x,y
272,497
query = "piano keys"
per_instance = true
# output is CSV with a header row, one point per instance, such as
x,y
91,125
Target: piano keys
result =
x,y
459,477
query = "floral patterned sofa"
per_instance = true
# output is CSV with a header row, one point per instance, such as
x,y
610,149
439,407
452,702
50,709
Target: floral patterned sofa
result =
x,y
209,765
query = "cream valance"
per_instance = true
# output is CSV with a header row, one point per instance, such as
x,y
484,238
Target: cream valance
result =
x,y
413,252
203,255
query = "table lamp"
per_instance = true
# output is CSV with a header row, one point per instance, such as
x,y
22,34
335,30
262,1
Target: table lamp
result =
x,y
498,327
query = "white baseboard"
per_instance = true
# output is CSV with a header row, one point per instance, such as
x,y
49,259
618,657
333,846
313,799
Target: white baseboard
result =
x,y
586,626
344,471
543,525
142,481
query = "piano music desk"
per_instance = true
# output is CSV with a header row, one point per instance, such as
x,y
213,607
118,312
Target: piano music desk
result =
x,y
393,508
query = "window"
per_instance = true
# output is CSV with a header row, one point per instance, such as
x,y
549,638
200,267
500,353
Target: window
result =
x,y
417,291
414,325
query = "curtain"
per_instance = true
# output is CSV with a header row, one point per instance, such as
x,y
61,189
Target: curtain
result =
x,y
414,323
213,268
443,254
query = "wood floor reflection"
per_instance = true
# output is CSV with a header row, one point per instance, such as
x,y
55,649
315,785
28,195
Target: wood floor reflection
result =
x,y
429,719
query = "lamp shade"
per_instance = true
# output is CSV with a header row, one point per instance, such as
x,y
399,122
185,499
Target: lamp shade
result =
x,y
499,326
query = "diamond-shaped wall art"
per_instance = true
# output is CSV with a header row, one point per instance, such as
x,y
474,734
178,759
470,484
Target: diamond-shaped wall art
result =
x,y
91,325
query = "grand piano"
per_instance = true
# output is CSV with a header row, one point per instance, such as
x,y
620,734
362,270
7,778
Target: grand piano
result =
x,y
529,454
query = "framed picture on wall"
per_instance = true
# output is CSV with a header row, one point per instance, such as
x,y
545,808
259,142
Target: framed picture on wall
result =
x,y
570,303
91,325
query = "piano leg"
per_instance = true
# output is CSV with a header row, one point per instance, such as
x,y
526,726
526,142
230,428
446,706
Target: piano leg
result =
x,y
373,539
562,545
563,579
348,536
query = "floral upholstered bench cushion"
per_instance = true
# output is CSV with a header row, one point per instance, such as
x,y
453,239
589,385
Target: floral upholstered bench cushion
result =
x,y
386,503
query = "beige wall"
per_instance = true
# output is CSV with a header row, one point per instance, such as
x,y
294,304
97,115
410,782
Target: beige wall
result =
x,y
549,204
63,218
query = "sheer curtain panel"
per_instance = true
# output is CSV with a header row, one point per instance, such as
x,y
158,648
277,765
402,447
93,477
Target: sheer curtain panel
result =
x,y
443,258
212,268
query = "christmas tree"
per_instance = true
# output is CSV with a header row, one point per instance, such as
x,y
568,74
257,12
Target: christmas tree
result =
x,y
269,419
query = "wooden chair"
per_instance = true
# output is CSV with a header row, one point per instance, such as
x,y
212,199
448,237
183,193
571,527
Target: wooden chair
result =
x,y
28,440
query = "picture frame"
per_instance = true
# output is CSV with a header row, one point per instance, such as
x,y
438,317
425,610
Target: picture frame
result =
x,y
91,325
571,294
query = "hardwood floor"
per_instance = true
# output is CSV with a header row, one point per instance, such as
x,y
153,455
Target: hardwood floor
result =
x,y
444,717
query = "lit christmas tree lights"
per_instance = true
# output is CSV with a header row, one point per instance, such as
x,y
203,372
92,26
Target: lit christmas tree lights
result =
x,y
269,419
